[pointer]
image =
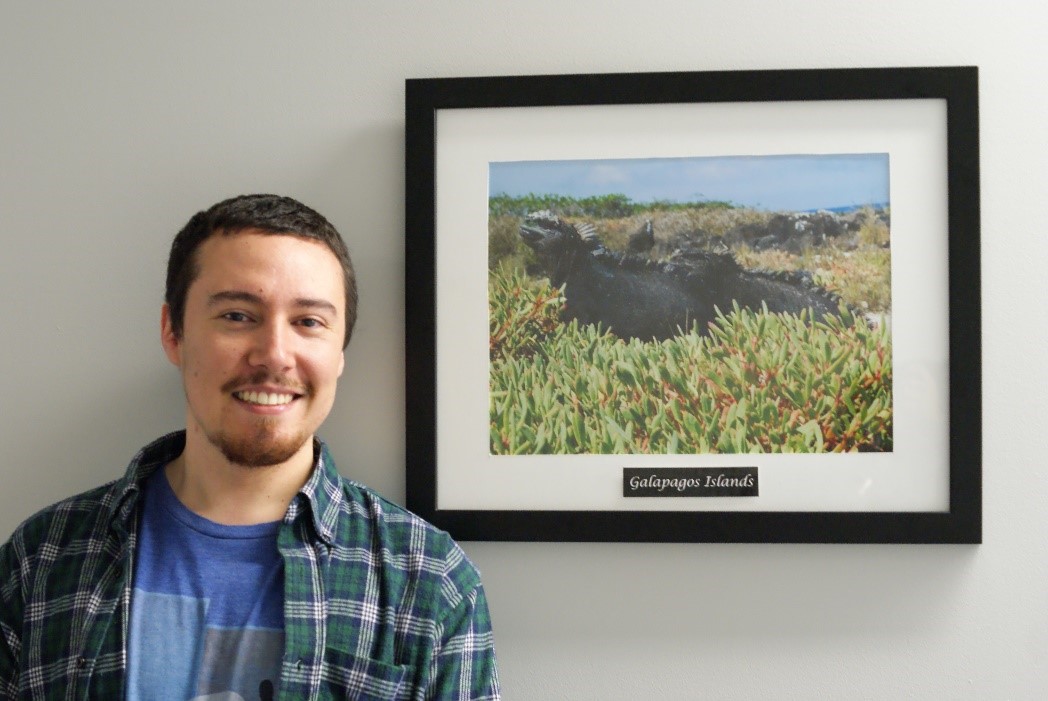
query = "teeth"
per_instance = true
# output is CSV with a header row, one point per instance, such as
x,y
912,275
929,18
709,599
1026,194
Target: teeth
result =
x,y
264,398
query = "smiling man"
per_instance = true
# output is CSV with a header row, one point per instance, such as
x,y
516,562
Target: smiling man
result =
x,y
232,561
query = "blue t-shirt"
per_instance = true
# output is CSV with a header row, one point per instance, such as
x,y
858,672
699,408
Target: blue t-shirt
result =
x,y
207,618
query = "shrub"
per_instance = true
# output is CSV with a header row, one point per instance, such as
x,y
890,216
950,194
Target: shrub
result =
x,y
861,277
522,314
757,383
611,206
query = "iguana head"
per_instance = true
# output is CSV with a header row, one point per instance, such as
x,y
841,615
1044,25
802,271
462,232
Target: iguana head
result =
x,y
549,235
557,242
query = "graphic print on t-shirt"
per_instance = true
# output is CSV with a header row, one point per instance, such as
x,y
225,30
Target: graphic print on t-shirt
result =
x,y
206,608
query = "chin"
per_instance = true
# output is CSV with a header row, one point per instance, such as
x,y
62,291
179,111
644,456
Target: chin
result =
x,y
263,449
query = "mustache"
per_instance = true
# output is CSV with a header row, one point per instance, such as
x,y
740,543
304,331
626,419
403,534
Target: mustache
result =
x,y
263,377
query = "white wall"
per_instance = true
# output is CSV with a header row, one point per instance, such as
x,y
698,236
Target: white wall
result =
x,y
120,119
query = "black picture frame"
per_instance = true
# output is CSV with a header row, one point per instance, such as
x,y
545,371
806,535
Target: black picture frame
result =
x,y
956,85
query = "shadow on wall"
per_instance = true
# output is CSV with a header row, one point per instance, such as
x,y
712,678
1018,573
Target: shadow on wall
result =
x,y
359,186
86,437
721,592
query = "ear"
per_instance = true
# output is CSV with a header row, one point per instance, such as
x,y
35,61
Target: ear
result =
x,y
341,362
171,343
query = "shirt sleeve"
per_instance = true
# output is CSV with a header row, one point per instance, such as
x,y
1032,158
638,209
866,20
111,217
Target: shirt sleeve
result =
x,y
10,621
463,665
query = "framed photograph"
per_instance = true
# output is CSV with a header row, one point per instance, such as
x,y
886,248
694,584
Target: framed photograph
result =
x,y
736,306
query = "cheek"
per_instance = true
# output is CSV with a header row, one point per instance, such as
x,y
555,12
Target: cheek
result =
x,y
203,366
327,369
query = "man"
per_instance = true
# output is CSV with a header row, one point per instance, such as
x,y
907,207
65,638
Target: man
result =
x,y
232,561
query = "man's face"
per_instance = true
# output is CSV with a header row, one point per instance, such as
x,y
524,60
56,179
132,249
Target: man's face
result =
x,y
261,345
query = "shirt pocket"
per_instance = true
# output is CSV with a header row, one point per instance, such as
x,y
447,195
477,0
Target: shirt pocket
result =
x,y
347,677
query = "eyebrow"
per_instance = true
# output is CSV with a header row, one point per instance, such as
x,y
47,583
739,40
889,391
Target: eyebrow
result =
x,y
248,297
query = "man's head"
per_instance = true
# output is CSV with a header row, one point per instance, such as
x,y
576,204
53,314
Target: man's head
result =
x,y
271,214
260,303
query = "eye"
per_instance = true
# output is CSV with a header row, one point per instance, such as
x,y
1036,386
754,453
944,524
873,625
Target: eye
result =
x,y
311,323
236,316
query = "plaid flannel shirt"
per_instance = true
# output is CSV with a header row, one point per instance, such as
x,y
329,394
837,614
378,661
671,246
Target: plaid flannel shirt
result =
x,y
378,604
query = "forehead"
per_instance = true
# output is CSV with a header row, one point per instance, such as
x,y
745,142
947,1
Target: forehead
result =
x,y
273,266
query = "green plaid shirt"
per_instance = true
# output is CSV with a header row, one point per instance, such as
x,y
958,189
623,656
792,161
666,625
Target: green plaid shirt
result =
x,y
378,604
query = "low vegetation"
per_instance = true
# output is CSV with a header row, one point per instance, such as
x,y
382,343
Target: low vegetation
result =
x,y
753,382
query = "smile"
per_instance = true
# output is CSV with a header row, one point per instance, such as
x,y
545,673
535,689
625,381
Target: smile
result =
x,y
264,398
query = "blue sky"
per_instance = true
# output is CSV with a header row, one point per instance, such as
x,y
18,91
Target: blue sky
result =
x,y
795,182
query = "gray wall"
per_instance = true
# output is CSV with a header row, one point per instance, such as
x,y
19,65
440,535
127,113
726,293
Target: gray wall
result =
x,y
120,119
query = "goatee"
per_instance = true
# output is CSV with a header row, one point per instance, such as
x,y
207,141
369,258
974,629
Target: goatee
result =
x,y
263,448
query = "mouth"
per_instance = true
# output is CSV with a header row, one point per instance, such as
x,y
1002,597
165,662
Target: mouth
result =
x,y
266,398
531,235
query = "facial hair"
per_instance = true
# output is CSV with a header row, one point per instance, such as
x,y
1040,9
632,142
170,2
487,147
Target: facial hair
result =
x,y
263,447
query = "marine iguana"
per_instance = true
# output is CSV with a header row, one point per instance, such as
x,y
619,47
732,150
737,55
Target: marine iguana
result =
x,y
636,298
643,239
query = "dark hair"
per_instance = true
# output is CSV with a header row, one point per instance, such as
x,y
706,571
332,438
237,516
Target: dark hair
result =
x,y
271,214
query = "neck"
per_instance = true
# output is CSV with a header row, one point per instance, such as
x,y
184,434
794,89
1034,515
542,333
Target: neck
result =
x,y
564,267
234,495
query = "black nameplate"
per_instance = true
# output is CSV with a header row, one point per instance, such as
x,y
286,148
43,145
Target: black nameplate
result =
x,y
689,482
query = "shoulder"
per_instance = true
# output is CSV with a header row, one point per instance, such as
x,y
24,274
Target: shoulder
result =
x,y
409,548
85,515
58,538
67,521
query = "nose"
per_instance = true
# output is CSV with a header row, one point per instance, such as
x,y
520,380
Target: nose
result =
x,y
271,348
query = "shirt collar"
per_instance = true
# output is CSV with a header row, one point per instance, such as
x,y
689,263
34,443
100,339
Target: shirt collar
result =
x,y
321,495
147,461
322,492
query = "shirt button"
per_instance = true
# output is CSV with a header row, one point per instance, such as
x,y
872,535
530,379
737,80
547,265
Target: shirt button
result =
x,y
298,665
81,662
